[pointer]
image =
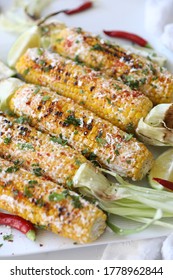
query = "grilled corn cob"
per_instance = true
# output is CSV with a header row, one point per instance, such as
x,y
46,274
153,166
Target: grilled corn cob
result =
x,y
107,98
37,152
95,138
114,61
47,204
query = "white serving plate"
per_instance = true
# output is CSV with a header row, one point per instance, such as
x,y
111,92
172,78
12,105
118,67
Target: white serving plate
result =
x,y
112,14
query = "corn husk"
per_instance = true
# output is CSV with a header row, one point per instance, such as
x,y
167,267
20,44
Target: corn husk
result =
x,y
157,128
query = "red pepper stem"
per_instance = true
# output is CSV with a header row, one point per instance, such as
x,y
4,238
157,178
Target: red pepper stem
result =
x,y
129,36
31,235
148,46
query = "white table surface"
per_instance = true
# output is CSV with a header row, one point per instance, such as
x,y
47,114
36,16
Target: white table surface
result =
x,y
113,14
88,253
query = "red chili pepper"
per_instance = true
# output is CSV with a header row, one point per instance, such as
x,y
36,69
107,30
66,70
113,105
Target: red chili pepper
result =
x,y
129,36
79,9
85,6
18,223
165,183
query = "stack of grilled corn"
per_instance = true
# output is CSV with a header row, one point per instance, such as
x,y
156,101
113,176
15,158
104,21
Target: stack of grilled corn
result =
x,y
114,61
111,105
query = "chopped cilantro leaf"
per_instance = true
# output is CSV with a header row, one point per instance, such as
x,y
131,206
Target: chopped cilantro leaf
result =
x,y
131,82
8,237
40,51
69,183
97,47
117,87
12,169
7,140
32,182
72,120
22,120
77,60
38,171
25,146
59,140
78,29
37,89
45,98
76,201
128,137
58,196
27,192
26,71
59,40
99,138
78,162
